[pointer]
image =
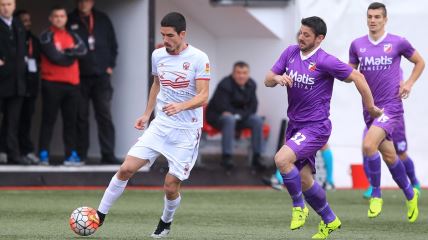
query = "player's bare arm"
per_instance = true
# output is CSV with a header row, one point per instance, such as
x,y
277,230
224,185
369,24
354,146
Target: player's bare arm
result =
x,y
273,79
140,123
362,86
202,89
418,68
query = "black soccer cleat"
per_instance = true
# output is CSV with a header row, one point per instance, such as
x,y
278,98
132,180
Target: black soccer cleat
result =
x,y
101,216
162,230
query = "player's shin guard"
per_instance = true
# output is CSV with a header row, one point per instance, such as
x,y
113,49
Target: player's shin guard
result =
x,y
293,184
398,173
170,206
316,198
112,193
374,163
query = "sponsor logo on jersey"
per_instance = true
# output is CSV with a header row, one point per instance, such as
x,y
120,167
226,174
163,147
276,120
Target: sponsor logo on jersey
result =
x,y
304,81
370,63
186,66
387,48
180,81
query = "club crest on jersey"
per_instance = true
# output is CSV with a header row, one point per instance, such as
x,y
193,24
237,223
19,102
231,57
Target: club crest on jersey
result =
x,y
186,66
207,68
312,66
363,50
387,48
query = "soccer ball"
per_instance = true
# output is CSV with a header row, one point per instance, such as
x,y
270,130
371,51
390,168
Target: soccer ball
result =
x,y
84,221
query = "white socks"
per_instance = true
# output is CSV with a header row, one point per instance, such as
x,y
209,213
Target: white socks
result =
x,y
169,209
112,193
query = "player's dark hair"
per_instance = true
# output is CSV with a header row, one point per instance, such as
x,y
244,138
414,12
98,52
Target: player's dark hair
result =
x,y
240,64
20,12
378,5
175,20
57,8
317,25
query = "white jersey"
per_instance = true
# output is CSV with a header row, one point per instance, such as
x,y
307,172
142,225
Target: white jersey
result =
x,y
177,76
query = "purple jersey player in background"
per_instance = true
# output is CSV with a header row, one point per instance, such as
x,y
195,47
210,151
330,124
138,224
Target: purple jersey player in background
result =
x,y
400,143
308,72
378,57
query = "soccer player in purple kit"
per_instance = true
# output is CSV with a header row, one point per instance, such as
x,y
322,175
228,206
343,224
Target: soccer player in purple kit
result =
x,y
308,72
378,57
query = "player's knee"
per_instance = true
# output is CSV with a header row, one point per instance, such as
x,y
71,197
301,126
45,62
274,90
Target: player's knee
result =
x,y
369,148
281,161
125,173
171,189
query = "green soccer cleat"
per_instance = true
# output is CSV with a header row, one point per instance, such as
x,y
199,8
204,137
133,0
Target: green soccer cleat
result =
x,y
324,230
368,193
298,217
375,207
412,207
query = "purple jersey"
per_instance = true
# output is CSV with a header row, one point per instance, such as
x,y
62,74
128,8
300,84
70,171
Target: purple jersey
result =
x,y
380,63
313,76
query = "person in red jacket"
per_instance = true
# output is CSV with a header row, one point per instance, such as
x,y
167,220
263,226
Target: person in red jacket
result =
x,y
60,84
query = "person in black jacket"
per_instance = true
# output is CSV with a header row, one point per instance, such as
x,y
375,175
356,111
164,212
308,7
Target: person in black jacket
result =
x,y
96,68
232,108
12,79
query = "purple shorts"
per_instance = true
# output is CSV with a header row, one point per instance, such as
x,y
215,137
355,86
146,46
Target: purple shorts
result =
x,y
389,121
399,136
306,139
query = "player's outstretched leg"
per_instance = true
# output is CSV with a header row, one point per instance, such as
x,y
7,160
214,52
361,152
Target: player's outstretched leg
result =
x,y
399,175
284,161
316,197
410,170
172,201
376,202
118,183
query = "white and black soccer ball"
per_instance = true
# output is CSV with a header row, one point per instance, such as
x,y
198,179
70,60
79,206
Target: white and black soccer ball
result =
x,y
84,221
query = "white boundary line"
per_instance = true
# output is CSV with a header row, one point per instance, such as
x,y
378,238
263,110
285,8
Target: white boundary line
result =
x,y
61,168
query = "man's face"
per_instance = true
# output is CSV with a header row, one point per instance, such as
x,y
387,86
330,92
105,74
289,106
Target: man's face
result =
x,y
171,39
376,21
241,75
26,21
85,6
307,39
58,18
7,7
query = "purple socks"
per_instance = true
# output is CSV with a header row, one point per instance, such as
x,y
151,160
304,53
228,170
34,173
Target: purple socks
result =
x,y
316,198
373,163
398,173
293,184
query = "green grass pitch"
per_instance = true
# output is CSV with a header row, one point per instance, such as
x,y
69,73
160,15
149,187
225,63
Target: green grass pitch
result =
x,y
204,214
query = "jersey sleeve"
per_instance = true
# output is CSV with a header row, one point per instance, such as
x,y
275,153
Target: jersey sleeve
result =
x,y
203,71
337,68
281,64
154,65
406,49
353,56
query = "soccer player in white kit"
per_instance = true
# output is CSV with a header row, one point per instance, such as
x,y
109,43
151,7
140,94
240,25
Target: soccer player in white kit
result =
x,y
181,76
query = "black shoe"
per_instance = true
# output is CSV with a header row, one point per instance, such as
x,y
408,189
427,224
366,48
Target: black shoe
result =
x,y
162,230
110,160
226,162
101,216
256,163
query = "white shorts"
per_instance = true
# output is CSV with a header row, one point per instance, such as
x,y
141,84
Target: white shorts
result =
x,y
178,146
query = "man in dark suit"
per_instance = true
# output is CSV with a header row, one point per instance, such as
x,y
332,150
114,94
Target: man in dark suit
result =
x,y
12,78
96,68
232,108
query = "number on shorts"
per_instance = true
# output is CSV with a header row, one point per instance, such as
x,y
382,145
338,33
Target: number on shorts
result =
x,y
298,138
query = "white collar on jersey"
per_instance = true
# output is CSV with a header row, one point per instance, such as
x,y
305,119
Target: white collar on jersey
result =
x,y
309,54
379,40
8,21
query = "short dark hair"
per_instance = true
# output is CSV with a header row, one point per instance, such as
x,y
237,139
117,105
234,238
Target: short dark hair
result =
x,y
378,5
240,64
175,20
317,25
20,12
57,8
